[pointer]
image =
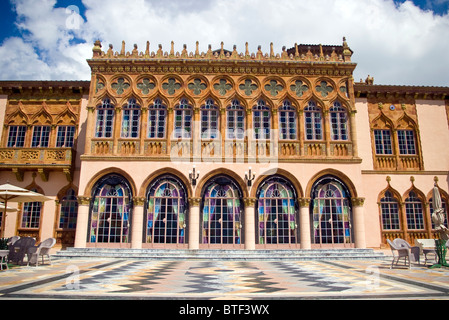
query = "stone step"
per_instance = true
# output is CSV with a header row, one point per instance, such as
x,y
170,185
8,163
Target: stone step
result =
x,y
209,254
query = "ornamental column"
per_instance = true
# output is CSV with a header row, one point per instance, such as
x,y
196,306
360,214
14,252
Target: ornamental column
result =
x,y
90,129
250,223
82,222
194,223
137,223
304,223
359,222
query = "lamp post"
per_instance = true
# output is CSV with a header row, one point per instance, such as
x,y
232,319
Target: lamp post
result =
x,y
249,177
193,176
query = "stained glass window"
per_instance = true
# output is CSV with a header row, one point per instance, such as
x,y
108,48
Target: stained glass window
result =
x,y
209,120
110,215
339,122
157,115
222,213
105,119
261,121
166,212
331,213
276,211
69,211
287,122
131,119
390,212
313,122
236,121
414,212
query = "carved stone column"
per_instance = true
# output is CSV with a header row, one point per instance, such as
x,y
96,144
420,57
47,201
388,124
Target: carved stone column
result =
x,y
194,223
90,129
250,223
82,222
359,222
304,223
137,223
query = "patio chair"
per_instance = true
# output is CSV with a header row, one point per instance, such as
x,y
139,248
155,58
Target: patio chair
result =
x,y
414,251
12,240
398,253
43,249
19,249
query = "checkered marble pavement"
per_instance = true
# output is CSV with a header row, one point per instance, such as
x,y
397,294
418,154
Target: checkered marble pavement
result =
x,y
228,280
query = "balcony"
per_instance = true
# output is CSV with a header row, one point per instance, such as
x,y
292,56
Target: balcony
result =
x,y
42,160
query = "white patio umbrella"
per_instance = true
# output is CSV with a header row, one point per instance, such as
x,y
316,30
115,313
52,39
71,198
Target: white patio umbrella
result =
x,y
438,210
12,193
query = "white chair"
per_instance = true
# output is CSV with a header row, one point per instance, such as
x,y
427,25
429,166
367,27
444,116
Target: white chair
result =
x,y
398,253
43,249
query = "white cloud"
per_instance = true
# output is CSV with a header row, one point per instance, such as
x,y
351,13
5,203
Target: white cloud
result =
x,y
397,44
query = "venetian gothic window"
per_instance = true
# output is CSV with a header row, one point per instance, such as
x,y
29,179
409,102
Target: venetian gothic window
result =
x,y
16,137
31,215
183,120
166,212
69,211
287,122
209,120
261,121
130,119
66,137
313,122
276,212
406,141
382,141
41,136
105,119
414,212
157,118
110,211
389,207
339,122
331,213
236,121
222,213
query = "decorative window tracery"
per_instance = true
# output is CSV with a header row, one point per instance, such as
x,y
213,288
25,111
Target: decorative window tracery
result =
x,y
183,120
131,119
287,122
261,121
390,212
313,121
339,122
105,119
236,121
209,120
157,118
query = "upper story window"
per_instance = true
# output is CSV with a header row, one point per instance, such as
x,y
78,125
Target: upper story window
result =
x,y
287,122
406,140
131,119
16,137
41,137
105,119
66,137
236,121
157,115
339,122
209,120
382,140
183,120
261,121
313,122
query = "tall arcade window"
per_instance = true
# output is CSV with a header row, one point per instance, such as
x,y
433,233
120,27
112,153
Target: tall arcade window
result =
x,y
157,115
166,212
105,119
16,138
339,122
209,120
414,212
131,119
41,136
183,120
382,141
236,121
276,206
390,212
66,136
406,140
261,121
69,211
31,215
331,213
287,122
222,213
313,122
110,215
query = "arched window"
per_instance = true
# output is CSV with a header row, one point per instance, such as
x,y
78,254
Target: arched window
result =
x,y
131,119
406,141
390,212
222,212
287,122
331,212
157,115
111,210
105,119
69,211
414,212
209,120
236,121
31,215
277,207
166,212
183,120
339,122
261,121
313,122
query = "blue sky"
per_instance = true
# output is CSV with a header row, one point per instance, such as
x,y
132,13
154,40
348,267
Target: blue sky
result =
x,y
396,41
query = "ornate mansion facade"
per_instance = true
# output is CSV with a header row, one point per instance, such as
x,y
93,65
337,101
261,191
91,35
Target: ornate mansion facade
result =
x,y
224,150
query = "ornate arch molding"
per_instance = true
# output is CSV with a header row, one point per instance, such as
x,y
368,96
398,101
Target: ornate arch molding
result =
x,y
221,171
277,172
99,175
332,172
165,171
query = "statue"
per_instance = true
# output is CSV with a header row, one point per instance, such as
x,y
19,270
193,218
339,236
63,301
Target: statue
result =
x,y
438,217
